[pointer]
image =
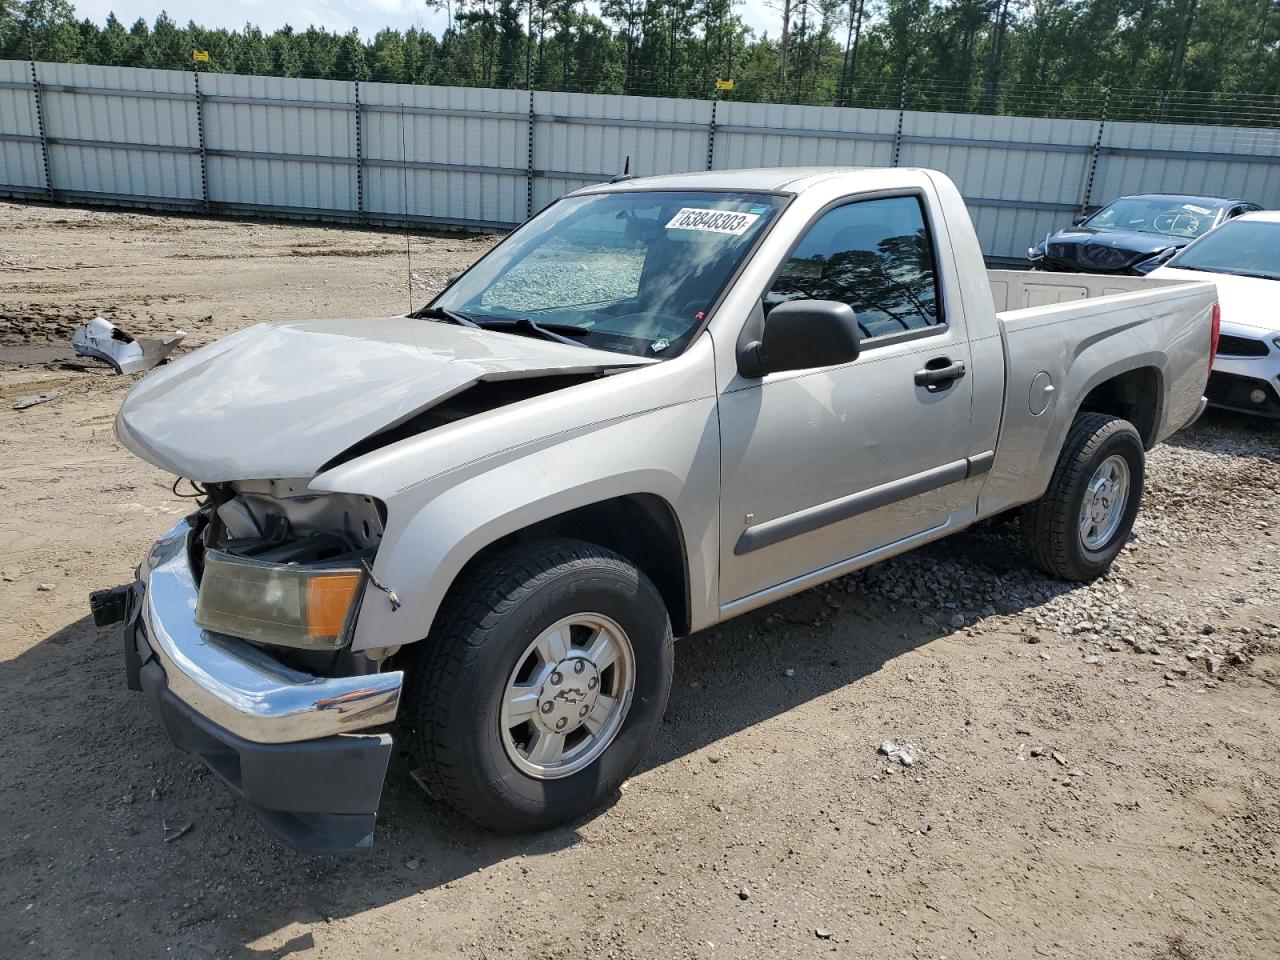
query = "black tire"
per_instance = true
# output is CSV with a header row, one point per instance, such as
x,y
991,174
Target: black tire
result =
x,y
455,689
1050,525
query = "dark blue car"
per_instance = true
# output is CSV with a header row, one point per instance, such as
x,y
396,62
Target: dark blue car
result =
x,y
1133,235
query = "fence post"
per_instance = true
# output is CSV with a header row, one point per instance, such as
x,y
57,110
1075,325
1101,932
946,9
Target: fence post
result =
x,y
359,155
1093,154
44,137
204,158
902,106
711,136
529,168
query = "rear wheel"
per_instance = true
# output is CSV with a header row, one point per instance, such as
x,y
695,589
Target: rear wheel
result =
x,y
542,685
1077,528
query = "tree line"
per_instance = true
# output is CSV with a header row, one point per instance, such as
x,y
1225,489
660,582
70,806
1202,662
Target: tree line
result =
x,y
1171,59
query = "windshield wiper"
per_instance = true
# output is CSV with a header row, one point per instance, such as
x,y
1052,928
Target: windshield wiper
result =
x,y
527,325
531,325
443,313
518,325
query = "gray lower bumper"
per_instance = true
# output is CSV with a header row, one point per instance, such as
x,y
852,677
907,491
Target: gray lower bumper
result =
x,y
283,741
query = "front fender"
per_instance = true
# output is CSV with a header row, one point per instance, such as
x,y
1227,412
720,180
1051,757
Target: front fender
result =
x,y
433,531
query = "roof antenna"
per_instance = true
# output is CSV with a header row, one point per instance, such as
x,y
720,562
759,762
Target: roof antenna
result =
x,y
626,171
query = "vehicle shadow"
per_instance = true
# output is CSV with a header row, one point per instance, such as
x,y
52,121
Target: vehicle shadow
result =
x,y
93,787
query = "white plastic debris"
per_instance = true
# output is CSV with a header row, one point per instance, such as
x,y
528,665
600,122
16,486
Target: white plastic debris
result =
x,y
103,340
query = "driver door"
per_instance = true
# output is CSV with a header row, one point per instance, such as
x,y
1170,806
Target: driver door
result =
x,y
820,466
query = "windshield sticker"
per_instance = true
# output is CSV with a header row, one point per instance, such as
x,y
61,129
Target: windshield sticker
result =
x,y
1194,209
713,221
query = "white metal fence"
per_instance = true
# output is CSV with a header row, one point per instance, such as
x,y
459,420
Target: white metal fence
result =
x,y
473,157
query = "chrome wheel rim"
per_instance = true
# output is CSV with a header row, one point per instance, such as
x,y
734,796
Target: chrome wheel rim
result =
x,y
1105,500
567,696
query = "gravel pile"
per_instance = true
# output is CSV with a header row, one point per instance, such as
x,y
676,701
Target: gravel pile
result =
x,y
1217,487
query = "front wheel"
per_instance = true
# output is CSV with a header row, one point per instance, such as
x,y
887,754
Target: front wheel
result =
x,y
1081,523
542,686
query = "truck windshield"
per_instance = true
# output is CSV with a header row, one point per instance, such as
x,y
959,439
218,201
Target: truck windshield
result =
x,y
632,271
1247,248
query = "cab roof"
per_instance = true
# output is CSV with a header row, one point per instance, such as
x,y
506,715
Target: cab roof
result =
x,y
757,180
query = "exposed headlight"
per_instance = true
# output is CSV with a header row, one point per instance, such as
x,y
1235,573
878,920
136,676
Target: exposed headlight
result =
x,y
287,605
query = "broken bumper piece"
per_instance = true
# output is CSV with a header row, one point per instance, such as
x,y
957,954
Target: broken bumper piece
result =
x,y
103,340
285,742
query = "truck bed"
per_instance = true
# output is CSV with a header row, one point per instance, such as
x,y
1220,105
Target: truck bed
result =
x,y
1065,333
1020,289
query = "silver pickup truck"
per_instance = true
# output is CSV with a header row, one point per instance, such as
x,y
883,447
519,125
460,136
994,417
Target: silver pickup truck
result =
x,y
658,404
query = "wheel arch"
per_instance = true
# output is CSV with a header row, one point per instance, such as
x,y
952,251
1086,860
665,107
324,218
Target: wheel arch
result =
x,y
642,527
1135,394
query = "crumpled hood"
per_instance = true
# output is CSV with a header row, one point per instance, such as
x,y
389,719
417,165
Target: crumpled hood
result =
x,y
1106,250
279,400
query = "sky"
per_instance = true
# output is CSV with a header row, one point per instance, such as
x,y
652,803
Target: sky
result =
x,y
368,16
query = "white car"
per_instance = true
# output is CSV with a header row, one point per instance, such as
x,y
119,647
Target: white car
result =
x,y
1243,258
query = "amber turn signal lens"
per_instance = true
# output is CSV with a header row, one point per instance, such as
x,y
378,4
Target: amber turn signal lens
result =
x,y
329,598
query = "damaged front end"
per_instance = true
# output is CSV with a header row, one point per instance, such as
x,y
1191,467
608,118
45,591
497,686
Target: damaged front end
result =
x,y
284,568
238,628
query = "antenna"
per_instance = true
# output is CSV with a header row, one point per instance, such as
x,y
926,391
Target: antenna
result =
x,y
626,171
404,207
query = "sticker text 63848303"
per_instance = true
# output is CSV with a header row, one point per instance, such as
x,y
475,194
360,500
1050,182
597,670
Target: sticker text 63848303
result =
x,y
713,221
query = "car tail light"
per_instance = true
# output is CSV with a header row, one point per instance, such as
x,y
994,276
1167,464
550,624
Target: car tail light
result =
x,y
1215,332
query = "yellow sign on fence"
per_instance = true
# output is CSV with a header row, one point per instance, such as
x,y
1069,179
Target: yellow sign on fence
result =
x,y
724,84
200,56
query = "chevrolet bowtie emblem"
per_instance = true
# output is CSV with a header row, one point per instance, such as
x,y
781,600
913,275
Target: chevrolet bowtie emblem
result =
x,y
571,695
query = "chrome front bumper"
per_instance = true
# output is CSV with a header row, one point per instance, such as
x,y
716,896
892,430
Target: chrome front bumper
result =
x,y
297,748
236,685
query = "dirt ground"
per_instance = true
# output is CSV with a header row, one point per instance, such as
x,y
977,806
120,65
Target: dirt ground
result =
x,y
1094,769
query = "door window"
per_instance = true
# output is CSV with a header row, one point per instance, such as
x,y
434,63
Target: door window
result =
x,y
876,256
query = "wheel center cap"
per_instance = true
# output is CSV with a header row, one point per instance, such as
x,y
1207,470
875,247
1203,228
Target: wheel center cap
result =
x,y
568,695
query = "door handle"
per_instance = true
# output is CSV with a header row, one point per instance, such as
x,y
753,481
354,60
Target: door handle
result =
x,y
939,372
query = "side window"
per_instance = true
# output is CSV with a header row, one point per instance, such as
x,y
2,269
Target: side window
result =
x,y
874,255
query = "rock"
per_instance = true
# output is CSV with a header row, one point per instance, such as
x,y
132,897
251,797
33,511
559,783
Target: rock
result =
x,y
789,672
1213,663
1091,660
957,620
888,748
822,933
1058,758
45,587
412,864
1037,751
744,892
906,759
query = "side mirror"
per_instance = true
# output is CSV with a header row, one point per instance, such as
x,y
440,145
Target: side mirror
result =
x,y
800,335
1079,219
